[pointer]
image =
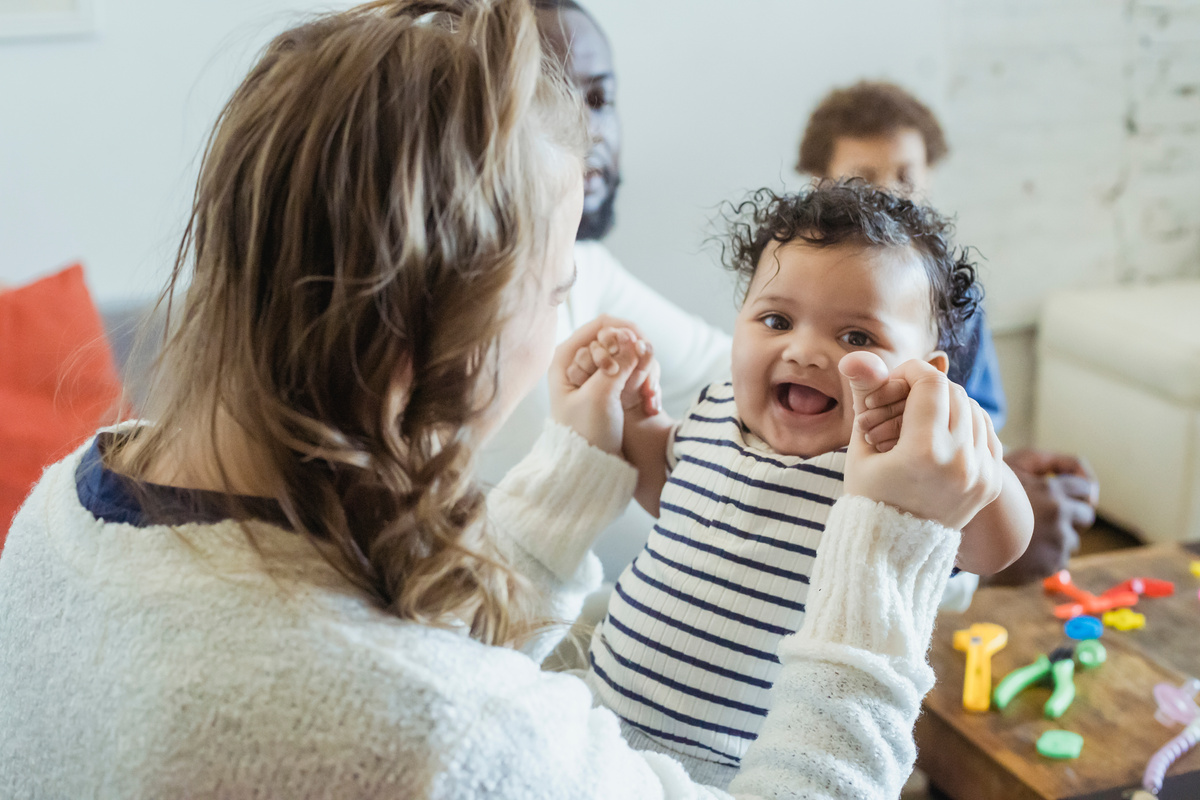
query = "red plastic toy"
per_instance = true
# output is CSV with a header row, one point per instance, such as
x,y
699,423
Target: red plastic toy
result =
x,y
1086,602
1149,587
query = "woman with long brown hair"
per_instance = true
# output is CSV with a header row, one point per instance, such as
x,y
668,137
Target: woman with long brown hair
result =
x,y
286,583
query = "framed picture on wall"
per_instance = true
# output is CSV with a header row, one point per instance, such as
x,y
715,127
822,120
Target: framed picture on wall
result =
x,y
35,19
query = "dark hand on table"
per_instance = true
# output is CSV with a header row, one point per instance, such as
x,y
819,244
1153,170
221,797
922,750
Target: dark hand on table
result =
x,y
1063,492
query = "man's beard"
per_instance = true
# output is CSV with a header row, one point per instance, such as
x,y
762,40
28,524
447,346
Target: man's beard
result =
x,y
597,224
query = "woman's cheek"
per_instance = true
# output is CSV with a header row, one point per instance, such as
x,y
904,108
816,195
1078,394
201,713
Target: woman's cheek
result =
x,y
544,334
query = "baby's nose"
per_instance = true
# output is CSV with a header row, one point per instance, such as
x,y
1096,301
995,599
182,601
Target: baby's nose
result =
x,y
808,348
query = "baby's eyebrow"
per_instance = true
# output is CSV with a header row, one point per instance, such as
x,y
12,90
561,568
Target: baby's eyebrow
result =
x,y
772,298
863,317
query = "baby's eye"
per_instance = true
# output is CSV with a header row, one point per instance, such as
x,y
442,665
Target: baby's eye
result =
x,y
856,339
776,323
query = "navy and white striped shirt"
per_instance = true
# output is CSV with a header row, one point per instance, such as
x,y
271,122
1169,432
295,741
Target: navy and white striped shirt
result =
x,y
687,652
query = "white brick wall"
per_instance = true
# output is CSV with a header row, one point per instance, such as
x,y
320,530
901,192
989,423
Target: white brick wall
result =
x,y
1075,135
1075,131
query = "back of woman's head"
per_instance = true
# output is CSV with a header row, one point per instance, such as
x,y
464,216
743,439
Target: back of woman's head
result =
x,y
370,196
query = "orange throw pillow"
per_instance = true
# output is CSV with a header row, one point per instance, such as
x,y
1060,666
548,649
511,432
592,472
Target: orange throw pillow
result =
x,y
58,382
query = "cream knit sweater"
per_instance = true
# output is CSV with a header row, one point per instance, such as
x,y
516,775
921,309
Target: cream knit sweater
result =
x,y
157,662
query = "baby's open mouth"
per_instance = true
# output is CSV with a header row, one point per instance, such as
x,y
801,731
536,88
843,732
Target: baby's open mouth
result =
x,y
800,399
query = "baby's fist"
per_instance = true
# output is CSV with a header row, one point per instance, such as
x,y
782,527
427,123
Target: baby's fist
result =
x,y
609,352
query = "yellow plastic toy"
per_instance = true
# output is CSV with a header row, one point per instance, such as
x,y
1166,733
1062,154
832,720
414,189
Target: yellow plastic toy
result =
x,y
981,641
1195,568
1124,619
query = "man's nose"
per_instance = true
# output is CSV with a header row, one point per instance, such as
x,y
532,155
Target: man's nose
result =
x,y
806,348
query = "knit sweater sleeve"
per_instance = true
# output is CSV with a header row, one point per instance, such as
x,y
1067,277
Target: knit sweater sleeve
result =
x,y
547,512
843,710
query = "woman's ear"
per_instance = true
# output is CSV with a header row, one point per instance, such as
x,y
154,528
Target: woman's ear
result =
x,y
939,360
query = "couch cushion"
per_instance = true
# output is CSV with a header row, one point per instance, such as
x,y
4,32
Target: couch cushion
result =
x,y
1146,335
57,380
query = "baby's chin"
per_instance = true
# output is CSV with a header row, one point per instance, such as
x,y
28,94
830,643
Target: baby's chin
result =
x,y
806,444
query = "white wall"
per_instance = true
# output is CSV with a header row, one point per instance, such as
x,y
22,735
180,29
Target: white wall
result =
x,y
1076,128
100,137
714,95
1074,125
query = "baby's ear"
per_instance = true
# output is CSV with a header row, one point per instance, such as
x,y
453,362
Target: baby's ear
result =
x,y
939,360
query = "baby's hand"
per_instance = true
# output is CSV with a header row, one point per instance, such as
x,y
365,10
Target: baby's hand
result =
x,y
882,407
642,389
884,412
593,407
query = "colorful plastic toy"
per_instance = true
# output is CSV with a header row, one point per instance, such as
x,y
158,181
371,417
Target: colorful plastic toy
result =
x,y
1175,705
1085,602
1097,605
1059,668
1060,744
1060,583
981,641
1084,627
1124,619
1145,587
1194,567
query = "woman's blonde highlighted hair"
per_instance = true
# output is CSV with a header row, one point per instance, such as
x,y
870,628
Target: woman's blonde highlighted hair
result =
x,y
368,197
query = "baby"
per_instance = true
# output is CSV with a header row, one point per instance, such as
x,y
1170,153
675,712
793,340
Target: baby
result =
x,y
686,655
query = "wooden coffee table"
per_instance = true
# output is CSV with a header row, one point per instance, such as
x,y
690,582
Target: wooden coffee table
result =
x,y
981,756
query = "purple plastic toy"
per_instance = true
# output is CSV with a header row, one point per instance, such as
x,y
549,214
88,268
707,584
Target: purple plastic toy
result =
x,y
1175,706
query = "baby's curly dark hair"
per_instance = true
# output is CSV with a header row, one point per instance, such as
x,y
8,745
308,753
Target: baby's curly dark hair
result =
x,y
830,213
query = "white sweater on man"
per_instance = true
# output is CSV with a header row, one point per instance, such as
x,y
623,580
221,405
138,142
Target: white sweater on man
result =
x,y
149,662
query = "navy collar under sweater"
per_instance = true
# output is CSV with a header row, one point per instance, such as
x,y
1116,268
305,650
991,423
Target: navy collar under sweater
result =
x,y
113,497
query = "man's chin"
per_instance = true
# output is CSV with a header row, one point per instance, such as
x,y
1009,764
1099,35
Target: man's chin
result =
x,y
599,223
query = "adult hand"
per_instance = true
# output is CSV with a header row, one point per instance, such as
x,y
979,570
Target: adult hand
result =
x,y
946,464
593,409
1063,492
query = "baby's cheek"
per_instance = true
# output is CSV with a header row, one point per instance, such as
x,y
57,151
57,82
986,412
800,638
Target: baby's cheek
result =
x,y
750,403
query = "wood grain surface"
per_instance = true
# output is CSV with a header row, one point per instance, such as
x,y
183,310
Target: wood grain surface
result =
x,y
981,756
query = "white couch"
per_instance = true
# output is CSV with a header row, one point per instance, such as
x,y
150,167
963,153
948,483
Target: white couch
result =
x,y
1119,382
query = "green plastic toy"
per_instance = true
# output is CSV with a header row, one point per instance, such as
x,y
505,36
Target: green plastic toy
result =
x,y
1060,744
1059,667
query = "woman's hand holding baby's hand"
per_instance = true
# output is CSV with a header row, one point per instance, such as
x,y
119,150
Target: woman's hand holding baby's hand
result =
x,y
591,403
946,463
